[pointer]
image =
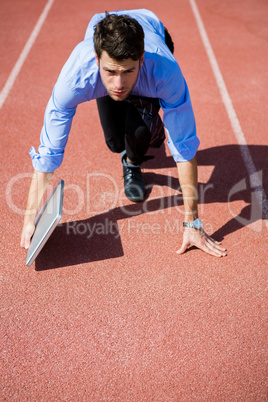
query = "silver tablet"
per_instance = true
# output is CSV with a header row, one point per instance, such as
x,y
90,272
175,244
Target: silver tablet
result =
x,y
46,221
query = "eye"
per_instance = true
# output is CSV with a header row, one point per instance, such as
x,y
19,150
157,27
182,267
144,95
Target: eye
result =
x,y
109,72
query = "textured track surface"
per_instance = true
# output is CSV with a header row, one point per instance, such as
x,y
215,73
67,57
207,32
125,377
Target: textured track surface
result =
x,y
109,311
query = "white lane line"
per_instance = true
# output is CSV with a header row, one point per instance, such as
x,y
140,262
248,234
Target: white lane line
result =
x,y
16,69
255,181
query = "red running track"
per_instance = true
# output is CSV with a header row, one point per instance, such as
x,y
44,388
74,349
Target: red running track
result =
x,y
120,316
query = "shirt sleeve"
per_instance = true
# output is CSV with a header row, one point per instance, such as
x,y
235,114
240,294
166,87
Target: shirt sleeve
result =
x,y
179,122
178,115
72,88
54,136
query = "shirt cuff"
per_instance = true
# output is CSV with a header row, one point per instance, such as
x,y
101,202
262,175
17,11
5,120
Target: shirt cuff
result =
x,y
184,151
45,163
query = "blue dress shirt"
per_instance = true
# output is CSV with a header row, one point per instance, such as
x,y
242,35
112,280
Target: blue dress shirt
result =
x,y
79,81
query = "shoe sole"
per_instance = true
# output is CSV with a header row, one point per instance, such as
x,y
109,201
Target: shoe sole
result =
x,y
135,199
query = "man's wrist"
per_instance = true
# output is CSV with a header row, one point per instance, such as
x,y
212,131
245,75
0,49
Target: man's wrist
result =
x,y
190,216
29,217
194,224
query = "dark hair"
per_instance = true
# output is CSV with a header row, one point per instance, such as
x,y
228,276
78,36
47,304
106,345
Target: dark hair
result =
x,y
121,36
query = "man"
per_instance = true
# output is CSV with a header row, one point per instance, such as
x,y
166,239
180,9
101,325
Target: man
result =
x,y
126,63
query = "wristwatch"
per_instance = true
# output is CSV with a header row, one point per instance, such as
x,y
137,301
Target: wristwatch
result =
x,y
196,224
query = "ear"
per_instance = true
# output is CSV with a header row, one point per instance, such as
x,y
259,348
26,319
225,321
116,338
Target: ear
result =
x,y
96,58
142,59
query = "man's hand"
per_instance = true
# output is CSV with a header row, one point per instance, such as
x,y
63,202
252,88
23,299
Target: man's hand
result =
x,y
199,239
27,232
39,183
187,173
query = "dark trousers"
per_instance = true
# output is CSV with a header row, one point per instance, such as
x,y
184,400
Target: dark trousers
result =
x,y
123,127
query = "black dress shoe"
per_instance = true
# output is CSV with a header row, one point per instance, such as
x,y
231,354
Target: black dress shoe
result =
x,y
133,184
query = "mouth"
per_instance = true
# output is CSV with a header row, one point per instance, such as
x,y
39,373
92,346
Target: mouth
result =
x,y
119,93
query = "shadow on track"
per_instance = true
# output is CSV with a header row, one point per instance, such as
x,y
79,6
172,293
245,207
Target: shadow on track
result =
x,y
98,237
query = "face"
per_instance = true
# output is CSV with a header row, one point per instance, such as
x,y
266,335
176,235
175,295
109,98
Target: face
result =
x,y
118,77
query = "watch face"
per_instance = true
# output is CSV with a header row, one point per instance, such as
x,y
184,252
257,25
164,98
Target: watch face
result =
x,y
197,223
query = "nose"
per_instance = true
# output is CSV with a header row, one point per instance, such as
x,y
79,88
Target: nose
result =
x,y
119,82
